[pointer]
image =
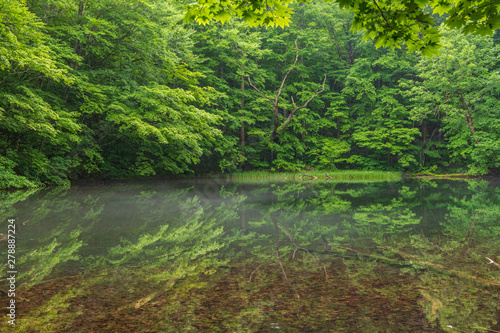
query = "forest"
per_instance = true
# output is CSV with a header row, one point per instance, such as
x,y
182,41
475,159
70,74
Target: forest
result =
x,y
116,89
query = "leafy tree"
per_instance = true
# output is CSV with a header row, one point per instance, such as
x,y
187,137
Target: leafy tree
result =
x,y
229,54
264,57
460,87
274,101
100,89
144,110
122,89
36,132
378,121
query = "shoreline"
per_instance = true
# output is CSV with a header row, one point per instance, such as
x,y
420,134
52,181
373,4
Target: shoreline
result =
x,y
310,175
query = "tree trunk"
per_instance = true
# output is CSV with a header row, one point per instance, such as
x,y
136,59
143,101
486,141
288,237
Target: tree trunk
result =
x,y
424,141
469,120
242,106
76,46
276,124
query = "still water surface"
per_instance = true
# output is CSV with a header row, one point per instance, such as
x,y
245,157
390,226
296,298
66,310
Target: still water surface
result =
x,y
216,256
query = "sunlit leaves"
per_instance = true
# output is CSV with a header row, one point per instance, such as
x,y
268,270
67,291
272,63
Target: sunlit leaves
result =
x,y
254,12
23,43
389,22
99,88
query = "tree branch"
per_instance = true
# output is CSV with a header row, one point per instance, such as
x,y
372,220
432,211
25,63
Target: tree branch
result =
x,y
260,92
275,102
303,106
286,75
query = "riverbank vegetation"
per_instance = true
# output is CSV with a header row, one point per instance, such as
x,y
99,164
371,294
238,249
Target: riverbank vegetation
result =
x,y
335,176
127,89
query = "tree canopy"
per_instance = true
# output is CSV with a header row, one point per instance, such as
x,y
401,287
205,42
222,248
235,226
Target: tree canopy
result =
x,y
413,22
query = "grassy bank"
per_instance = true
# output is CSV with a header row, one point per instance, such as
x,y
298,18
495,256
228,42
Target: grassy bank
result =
x,y
345,175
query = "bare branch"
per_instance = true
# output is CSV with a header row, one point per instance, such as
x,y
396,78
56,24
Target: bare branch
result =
x,y
303,106
444,268
275,102
260,92
286,75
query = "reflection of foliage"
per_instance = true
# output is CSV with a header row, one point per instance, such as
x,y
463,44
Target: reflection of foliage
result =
x,y
458,289
9,198
378,219
44,259
331,204
458,303
51,316
472,227
241,258
195,237
384,216
167,254
476,216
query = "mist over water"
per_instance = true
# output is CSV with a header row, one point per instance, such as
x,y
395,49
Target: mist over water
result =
x,y
218,256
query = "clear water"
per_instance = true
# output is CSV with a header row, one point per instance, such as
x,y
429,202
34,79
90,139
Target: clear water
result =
x,y
213,256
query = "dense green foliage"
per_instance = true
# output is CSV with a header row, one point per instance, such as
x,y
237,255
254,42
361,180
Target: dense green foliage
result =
x,y
124,89
389,22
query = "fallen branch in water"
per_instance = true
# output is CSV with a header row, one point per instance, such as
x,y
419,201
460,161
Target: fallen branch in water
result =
x,y
139,303
255,270
477,328
303,248
311,176
444,268
492,262
484,328
425,263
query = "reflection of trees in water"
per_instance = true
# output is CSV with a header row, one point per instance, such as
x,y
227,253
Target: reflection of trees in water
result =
x,y
458,287
330,256
385,239
143,262
306,242
472,232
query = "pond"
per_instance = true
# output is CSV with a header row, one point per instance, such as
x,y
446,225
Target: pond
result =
x,y
218,256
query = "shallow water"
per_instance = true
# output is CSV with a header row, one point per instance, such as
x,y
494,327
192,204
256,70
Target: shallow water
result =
x,y
215,256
